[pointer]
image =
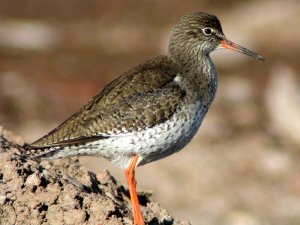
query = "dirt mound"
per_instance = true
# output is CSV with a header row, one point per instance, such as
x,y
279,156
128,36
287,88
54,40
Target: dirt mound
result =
x,y
63,192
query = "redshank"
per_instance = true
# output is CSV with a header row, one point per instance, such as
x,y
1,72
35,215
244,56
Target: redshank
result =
x,y
151,111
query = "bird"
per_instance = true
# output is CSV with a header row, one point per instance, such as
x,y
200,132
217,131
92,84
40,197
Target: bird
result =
x,y
152,110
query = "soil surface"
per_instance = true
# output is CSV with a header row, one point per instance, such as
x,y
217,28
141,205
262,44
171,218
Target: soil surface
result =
x,y
64,192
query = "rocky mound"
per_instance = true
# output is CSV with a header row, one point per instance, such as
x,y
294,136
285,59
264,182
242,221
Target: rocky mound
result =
x,y
63,192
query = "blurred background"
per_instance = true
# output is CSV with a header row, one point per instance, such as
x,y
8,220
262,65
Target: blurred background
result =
x,y
242,168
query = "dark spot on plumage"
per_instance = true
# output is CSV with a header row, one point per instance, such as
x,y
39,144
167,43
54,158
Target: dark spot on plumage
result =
x,y
183,93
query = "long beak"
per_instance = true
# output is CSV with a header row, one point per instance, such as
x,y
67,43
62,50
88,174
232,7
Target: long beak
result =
x,y
233,46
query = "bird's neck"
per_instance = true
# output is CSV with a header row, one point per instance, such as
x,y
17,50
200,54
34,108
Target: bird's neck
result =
x,y
198,75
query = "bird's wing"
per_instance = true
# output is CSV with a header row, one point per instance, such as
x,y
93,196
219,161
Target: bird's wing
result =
x,y
141,98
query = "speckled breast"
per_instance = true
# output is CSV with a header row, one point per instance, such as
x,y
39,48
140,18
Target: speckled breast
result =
x,y
170,137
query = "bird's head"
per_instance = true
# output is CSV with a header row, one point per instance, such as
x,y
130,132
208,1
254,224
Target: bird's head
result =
x,y
199,34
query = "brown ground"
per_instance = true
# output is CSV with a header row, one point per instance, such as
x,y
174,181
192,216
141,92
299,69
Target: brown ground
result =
x,y
243,166
64,193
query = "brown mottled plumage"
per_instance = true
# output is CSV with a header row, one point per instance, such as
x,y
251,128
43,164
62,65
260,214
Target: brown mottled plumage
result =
x,y
139,99
150,112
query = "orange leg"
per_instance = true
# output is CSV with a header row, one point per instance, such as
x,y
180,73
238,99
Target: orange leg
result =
x,y
137,214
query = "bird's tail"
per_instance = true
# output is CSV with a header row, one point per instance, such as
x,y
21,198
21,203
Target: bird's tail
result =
x,y
37,153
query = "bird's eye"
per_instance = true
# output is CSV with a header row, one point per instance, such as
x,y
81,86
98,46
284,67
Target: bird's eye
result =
x,y
207,31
